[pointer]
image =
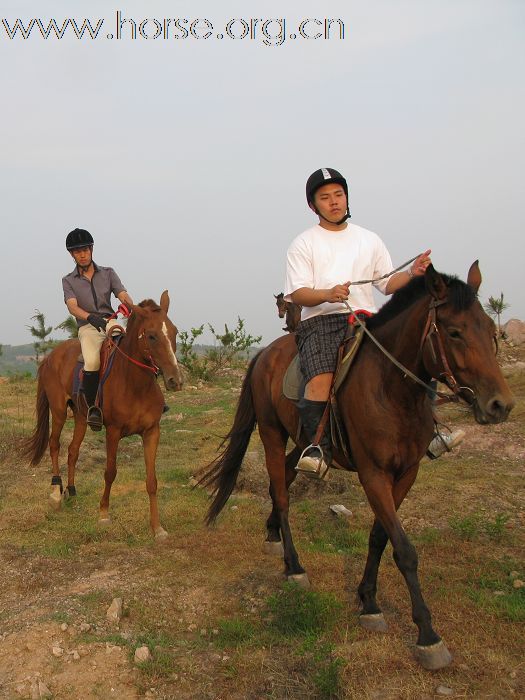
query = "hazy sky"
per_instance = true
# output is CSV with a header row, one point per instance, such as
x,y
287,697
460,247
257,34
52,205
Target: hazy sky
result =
x,y
187,158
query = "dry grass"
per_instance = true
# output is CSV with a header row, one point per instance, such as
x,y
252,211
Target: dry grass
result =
x,y
465,514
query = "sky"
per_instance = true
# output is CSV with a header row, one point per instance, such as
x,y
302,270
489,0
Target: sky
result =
x,y
187,158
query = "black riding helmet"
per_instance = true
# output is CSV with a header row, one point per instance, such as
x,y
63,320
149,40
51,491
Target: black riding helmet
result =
x,y
326,176
78,238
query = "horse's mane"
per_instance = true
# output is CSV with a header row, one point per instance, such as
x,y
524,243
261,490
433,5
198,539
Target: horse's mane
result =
x,y
460,295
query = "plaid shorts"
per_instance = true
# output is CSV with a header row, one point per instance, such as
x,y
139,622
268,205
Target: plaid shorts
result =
x,y
318,340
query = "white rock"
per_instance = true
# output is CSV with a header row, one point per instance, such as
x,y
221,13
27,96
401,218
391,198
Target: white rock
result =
x,y
444,690
142,654
64,626
57,651
341,511
114,612
85,627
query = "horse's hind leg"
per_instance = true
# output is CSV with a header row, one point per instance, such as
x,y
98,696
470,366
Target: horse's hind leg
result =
x,y
274,441
58,418
73,452
273,544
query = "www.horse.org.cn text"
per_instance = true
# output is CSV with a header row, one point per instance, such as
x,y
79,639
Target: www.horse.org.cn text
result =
x,y
269,32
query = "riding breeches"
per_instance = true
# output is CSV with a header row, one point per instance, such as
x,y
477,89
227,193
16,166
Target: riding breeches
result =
x,y
91,341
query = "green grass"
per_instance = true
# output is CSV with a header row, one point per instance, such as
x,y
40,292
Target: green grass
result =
x,y
472,526
295,611
236,632
498,596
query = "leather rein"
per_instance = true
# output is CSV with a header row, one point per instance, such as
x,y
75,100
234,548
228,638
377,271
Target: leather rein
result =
x,y
432,337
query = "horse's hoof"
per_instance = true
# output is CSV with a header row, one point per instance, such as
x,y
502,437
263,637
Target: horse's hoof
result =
x,y
69,492
161,535
433,657
374,622
105,521
274,548
301,580
55,498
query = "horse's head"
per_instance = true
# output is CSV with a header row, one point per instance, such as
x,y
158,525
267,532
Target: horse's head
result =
x,y
158,339
469,343
281,304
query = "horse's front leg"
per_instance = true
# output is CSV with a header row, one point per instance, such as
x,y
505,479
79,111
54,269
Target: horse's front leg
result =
x,y
57,423
371,616
112,441
150,441
430,651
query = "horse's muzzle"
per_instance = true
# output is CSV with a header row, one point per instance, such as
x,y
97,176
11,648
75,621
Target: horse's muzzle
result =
x,y
173,383
495,410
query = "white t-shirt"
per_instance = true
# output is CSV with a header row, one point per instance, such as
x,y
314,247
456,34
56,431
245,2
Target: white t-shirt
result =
x,y
320,259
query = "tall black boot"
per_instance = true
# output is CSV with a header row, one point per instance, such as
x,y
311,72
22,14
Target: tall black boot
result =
x,y
314,462
95,418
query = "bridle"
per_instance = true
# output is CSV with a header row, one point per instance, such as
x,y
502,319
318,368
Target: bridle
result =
x,y
151,367
432,337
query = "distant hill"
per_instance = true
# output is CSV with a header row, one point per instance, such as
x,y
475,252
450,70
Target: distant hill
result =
x,y
17,359
20,359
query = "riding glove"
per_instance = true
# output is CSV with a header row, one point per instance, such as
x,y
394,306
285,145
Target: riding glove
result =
x,y
99,322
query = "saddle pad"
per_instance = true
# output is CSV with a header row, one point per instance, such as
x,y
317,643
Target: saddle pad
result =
x,y
293,381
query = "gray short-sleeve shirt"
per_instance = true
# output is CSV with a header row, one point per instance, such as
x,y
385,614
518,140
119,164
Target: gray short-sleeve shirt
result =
x,y
94,296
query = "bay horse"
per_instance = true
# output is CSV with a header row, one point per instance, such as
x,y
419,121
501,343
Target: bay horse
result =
x,y
133,402
290,310
436,327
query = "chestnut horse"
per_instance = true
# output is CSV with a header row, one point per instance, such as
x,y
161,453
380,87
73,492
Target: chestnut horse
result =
x,y
133,402
290,310
435,327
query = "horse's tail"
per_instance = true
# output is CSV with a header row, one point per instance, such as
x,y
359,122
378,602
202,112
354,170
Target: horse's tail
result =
x,y
36,444
222,473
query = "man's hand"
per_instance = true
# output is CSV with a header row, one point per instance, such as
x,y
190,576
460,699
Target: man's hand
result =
x,y
420,264
338,293
99,322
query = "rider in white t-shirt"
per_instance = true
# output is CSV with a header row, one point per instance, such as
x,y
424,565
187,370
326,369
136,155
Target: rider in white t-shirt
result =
x,y
320,265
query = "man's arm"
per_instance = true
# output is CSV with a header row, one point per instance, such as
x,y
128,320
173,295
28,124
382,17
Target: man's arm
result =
x,y
125,298
75,310
313,297
417,269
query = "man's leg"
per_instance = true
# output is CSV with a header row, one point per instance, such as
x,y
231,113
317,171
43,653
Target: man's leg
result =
x,y
90,341
315,461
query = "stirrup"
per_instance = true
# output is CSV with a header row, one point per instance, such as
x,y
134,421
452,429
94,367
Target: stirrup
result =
x,y
95,419
314,467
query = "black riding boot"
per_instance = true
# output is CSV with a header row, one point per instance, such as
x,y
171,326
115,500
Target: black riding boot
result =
x,y
95,419
312,462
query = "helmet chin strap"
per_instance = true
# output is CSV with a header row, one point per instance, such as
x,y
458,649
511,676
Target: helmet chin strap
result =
x,y
337,223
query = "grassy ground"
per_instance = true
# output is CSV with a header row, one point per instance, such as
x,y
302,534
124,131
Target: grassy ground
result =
x,y
213,609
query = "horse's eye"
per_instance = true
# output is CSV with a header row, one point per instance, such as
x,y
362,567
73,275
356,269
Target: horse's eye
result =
x,y
454,333
152,337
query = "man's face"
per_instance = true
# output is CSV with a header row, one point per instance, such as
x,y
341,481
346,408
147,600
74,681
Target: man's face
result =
x,y
82,256
331,202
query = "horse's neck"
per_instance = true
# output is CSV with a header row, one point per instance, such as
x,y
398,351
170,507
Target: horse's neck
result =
x,y
401,337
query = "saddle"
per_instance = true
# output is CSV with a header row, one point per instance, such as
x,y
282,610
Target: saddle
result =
x,y
107,355
294,384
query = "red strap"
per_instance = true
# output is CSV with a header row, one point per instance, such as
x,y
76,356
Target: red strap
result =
x,y
352,318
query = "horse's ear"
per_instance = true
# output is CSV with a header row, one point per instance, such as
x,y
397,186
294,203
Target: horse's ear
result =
x,y
275,296
435,284
474,276
165,301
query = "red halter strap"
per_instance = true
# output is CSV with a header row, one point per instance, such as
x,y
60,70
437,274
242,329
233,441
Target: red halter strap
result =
x,y
152,368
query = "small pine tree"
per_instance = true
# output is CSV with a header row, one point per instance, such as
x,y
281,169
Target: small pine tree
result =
x,y
495,307
41,332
